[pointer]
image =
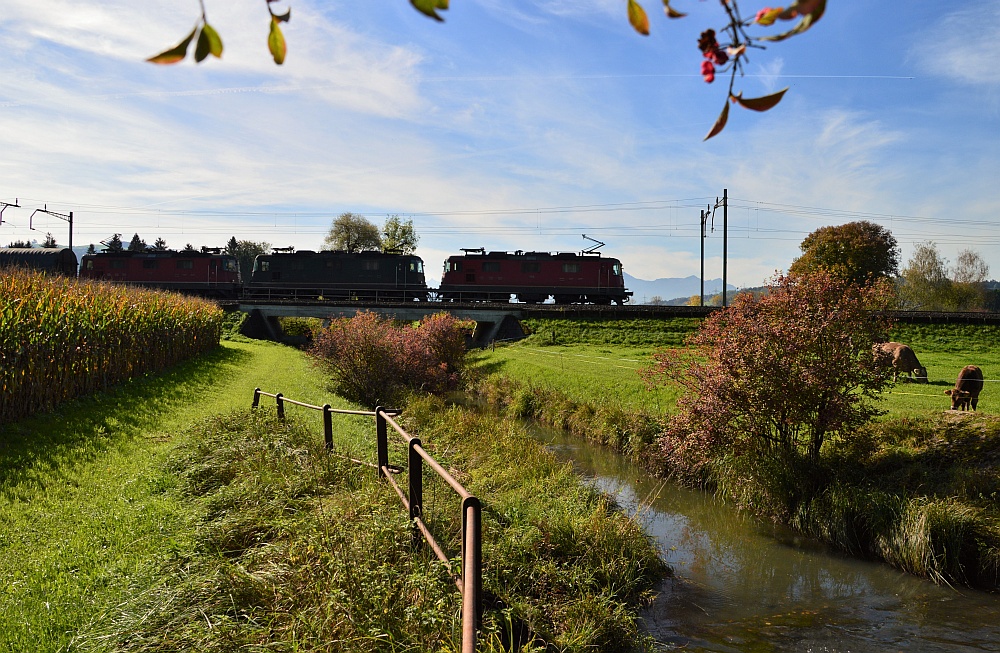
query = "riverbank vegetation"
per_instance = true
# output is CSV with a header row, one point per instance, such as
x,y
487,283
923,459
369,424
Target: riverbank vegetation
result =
x,y
916,486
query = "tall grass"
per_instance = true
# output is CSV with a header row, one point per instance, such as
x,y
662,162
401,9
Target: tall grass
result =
x,y
62,338
301,550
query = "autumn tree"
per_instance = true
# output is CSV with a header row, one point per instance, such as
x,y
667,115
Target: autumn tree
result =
x,y
859,252
351,232
927,283
399,235
968,278
245,252
776,375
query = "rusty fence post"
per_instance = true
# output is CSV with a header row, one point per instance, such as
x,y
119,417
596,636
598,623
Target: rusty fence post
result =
x,y
382,440
328,426
280,401
416,474
256,397
472,571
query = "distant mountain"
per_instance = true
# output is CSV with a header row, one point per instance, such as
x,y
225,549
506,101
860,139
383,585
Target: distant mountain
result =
x,y
673,288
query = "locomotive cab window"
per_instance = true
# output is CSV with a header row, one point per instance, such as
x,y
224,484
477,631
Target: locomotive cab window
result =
x,y
261,266
416,266
185,264
617,269
456,266
90,264
230,265
571,267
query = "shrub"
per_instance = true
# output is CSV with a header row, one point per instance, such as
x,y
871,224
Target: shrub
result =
x,y
375,361
777,375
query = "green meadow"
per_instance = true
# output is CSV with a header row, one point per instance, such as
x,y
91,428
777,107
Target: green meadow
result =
x,y
166,515
600,362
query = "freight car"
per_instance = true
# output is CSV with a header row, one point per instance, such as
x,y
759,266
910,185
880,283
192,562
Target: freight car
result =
x,y
533,277
48,259
207,273
333,275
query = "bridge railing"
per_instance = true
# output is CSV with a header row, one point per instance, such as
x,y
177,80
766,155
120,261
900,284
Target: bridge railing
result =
x,y
469,580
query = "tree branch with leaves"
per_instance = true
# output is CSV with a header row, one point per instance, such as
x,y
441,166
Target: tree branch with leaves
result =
x,y
730,56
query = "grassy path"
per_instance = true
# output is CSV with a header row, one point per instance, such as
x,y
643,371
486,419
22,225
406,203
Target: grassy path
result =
x,y
86,517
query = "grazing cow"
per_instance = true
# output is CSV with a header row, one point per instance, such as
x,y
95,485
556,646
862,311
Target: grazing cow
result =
x,y
904,361
967,388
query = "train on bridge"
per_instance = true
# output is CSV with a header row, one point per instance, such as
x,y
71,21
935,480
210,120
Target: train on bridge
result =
x,y
369,276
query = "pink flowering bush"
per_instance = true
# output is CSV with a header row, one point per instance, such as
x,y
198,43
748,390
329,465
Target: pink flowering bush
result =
x,y
376,361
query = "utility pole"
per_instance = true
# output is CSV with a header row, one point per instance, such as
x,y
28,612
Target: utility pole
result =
x,y
68,218
4,205
704,222
725,237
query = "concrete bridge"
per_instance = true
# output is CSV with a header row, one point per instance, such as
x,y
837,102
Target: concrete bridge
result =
x,y
493,321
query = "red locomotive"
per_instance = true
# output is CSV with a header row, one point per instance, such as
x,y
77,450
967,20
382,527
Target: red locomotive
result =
x,y
533,276
207,273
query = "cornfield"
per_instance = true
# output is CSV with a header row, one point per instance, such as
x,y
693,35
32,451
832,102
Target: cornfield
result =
x,y
62,338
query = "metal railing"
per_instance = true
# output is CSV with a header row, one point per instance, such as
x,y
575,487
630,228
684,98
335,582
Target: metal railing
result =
x,y
470,579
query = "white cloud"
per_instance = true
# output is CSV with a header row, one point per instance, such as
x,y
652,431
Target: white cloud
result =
x,y
959,45
769,74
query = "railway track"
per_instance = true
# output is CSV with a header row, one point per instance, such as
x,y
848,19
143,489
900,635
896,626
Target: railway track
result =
x,y
613,312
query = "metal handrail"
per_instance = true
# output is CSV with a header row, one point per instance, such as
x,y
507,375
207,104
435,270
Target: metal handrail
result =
x,y
469,580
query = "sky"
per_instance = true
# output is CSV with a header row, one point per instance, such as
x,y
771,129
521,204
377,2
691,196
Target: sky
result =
x,y
512,125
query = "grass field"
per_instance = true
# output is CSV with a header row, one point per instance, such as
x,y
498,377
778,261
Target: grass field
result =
x,y
167,516
86,514
603,366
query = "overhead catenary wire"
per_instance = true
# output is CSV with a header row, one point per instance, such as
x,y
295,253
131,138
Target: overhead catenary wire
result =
x,y
905,228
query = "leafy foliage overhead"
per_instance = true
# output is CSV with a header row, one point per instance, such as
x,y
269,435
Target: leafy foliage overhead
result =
x,y
729,56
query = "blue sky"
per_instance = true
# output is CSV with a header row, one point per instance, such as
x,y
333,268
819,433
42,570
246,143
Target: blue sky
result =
x,y
512,125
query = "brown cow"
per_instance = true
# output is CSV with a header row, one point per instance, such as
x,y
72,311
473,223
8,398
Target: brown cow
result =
x,y
967,388
904,361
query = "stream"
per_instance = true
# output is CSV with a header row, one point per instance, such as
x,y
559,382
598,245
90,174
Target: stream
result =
x,y
743,586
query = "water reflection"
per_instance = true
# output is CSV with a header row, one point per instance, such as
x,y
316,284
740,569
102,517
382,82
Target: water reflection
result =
x,y
744,586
